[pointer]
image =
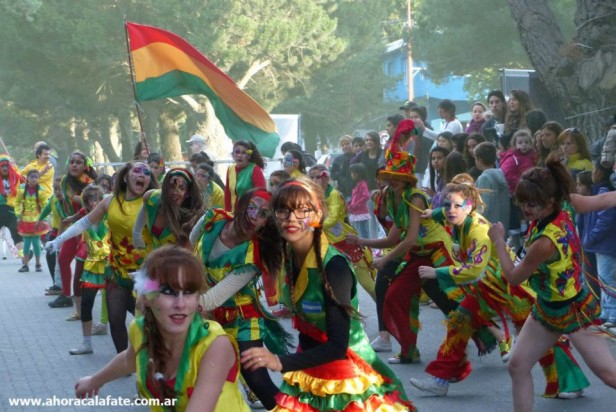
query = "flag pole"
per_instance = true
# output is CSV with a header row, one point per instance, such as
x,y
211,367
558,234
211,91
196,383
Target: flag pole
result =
x,y
132,80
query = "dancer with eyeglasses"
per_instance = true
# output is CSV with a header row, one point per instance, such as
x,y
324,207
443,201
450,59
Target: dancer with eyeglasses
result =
x,y
121,210
184,361
487,295
245,174
335,369
170,213
237,251
552,263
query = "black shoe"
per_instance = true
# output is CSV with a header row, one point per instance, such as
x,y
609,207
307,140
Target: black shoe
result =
x,y
61,302
23,269
38,268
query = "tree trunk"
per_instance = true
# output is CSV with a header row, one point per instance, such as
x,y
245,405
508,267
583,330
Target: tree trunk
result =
x,y
169,140
125,138
580,74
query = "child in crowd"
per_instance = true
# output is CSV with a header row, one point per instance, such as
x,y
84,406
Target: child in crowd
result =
x,y
514,161
583,187
30,201
599,239
276,178
574,151
96,240
359,215
492,184
438,155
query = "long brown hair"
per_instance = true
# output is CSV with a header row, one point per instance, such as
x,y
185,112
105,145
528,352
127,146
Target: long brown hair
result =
x,y
120,186
268,237
181,219
163,265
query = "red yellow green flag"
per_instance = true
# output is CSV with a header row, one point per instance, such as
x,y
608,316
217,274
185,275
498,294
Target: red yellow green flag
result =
x,y
165,65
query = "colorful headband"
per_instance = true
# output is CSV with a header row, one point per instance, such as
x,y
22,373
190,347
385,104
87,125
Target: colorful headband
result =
x,y
144,286
185,173
263,194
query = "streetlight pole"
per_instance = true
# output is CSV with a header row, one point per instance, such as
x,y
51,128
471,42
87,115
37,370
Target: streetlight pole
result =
x,y
411,89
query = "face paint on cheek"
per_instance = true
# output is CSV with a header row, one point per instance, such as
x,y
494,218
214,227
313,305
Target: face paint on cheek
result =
x,y
305,223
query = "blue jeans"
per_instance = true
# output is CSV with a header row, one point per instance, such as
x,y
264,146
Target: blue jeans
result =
x,y
606,266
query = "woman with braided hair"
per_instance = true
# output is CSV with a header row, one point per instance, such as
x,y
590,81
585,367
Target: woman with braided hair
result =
x,y
170,213
184,361
335,367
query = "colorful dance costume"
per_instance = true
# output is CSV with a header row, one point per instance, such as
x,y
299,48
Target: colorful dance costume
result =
x,y
336,226
201,334
28,205
358,382
124,258
563,304
71,204
160,236
241,180
8,194
96,239
46,173
488,294
242,315
401,305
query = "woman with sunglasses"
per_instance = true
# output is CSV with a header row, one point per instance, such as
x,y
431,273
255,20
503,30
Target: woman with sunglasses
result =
x,y
552,263
236,251
487,294
170,213
79,175
121,209
245,174
179,358
336,369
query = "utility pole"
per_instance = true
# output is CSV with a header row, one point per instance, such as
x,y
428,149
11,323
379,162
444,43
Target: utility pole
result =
x,y
409,22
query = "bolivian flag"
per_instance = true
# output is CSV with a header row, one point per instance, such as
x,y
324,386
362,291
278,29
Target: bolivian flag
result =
x,y
166,65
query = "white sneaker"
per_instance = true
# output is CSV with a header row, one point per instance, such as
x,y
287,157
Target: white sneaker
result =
x,y
83,349
99,329
570,395
430,385
380,345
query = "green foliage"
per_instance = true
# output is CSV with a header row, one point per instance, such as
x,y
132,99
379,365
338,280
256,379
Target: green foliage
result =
x,y
475,37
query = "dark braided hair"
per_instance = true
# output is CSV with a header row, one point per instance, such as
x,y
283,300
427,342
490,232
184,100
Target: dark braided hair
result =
x,y
293,194
157,356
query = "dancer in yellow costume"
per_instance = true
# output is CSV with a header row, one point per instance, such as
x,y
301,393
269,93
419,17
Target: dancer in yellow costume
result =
x,y
184,361
121,210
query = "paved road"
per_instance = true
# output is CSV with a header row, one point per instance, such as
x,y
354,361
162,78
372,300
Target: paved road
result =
x,y
34,359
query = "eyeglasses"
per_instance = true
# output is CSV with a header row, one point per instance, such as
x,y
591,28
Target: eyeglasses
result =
x,y
299,213
256,212
142,170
